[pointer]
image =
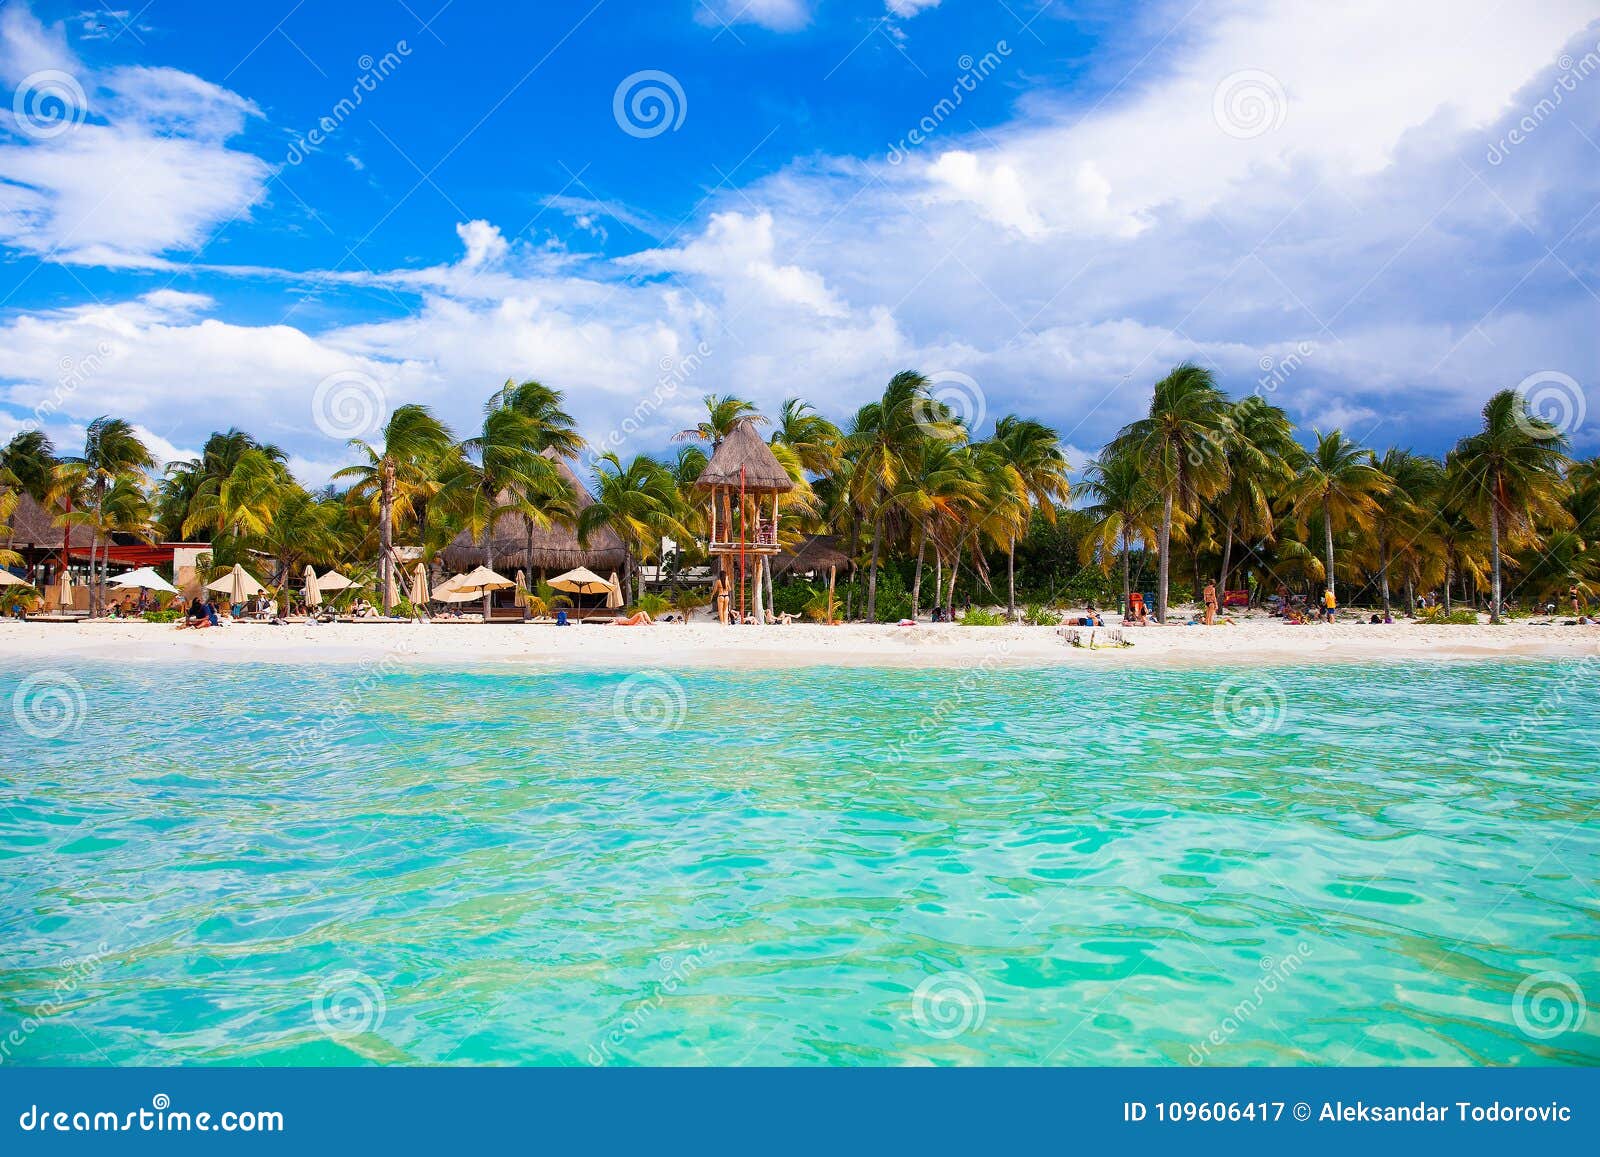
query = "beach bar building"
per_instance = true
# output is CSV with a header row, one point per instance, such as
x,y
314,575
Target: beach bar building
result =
x,y
742,483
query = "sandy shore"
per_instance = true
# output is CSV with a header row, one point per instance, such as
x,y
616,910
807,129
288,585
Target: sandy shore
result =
x,y
1256,641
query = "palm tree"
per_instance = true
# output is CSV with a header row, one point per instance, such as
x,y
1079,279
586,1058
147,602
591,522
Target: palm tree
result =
x,y
492,475
111,450
1180,446
1511,477
722,414
31,459
541,405
639,502
1338,481
1413,479
1258,444
240,502
1122,514
881,441
1031,452
814,440
415,443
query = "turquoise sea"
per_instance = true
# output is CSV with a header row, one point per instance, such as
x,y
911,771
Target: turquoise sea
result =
x,y
271,865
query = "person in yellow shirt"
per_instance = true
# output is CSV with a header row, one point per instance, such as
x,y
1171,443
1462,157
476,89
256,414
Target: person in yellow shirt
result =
x,y
1329,605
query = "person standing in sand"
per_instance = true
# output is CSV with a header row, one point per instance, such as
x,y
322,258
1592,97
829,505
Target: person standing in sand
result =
x,y
1210,599
719,596
1330,604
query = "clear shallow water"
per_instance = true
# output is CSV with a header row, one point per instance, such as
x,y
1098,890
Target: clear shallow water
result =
x,y
263,865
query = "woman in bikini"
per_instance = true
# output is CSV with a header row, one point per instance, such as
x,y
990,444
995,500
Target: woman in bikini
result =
x,y
719,594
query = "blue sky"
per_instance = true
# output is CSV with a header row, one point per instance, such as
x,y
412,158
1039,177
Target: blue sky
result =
x,y
1378,214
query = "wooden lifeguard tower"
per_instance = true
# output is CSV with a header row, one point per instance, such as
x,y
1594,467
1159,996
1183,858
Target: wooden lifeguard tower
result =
x,y
743,481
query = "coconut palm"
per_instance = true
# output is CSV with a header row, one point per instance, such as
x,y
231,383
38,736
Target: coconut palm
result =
x,y
1413,481
414,446
31,460
814,440
639,502
723,413
1123,512
541,405
1031,452
1338,482
1180,446
111,450
1510,477
1258,445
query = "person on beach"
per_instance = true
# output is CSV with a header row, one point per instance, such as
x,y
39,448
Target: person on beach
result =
x,y
1137,615
637,619
719,596
1330,604
197,617
1210,600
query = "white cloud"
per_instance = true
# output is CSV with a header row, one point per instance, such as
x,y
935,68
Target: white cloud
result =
x,y
118,169
484,242
777,15
906,9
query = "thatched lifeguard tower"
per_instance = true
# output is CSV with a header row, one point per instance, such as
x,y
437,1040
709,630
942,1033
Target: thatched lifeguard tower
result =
x,y
743,481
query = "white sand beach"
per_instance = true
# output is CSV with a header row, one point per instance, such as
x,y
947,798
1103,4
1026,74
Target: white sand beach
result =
x,y
1258,640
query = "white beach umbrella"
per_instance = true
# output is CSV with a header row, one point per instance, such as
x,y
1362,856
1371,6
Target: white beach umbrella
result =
x,y
522,585
313,591
143,579
65,589
480,580
450,591
580,581
334,581
7,579
614,593
419,587
238,584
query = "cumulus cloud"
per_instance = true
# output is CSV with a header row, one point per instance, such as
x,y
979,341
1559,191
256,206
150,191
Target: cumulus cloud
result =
x,y
120,168
777,15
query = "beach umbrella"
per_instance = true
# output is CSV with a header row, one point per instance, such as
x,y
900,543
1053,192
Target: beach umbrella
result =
x,y
334,581
238,584
614,593
419,587
482,579
143,579
7,579
391,596
65,591
450,591
522,586
313,591
581,581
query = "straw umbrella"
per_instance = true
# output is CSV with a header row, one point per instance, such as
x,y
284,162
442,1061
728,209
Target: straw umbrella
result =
x,y
614,595
65,593
522,590
419,588
334,581
313,591
582,581
238,584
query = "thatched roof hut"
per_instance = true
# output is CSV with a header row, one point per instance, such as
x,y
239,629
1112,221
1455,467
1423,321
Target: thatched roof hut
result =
x,y
34,526
555,548
817,553
745,448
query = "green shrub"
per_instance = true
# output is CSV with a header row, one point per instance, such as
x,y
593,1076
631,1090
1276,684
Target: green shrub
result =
x,y
977,617
171,616
652,604
792,598
1039,615
1456,618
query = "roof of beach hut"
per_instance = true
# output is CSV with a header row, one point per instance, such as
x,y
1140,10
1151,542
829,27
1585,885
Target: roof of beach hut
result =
x,y
819,552
744,458
555,547
34,526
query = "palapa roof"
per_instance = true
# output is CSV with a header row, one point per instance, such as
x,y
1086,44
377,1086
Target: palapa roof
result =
x,y
816,553
555,547
33,525
744,449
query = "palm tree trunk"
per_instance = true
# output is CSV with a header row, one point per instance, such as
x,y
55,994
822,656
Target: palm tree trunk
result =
x,y
1227,557
1383,577
1127,577
758,600
488,561
1448,579
1494,546
1411,599
1011,580
938,576
916,573
386,532
1164,571
1327,540
872,570
955,569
